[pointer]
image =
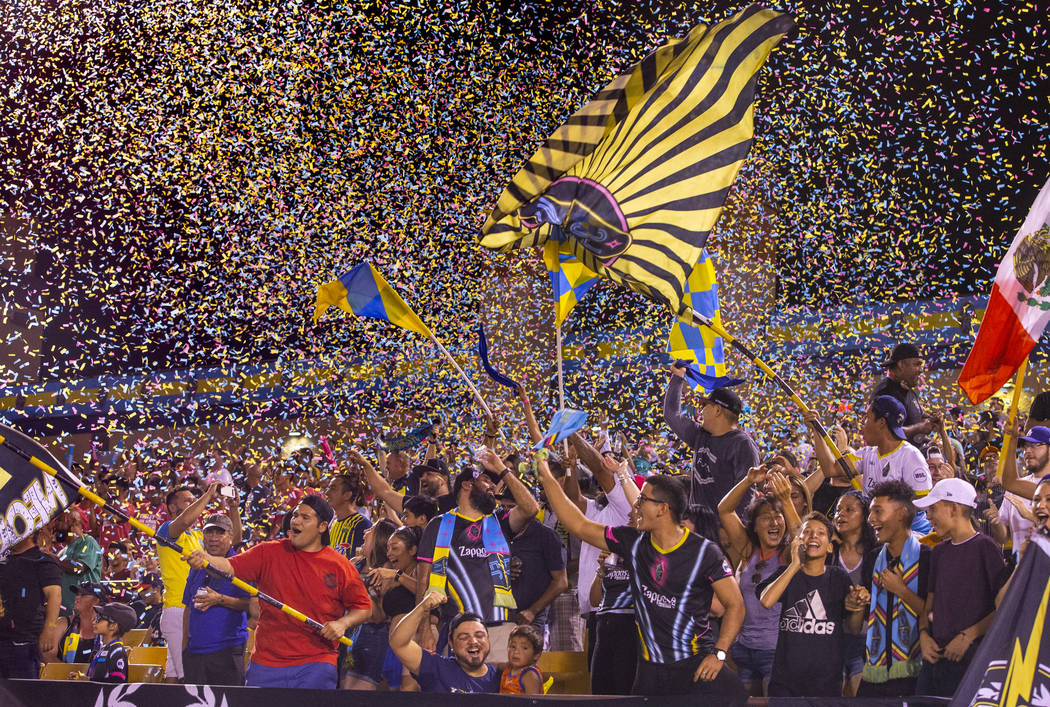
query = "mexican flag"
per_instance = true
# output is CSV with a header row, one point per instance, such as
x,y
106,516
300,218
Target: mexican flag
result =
x,y
1018,308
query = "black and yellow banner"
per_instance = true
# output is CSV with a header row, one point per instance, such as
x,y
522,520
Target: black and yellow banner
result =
x,y
635,180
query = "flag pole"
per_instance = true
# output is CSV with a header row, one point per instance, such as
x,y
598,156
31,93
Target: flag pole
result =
x,y
90,495
1011,415
561,378
840,459
470,384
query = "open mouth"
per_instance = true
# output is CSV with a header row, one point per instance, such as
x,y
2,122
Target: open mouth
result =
x,y
814,546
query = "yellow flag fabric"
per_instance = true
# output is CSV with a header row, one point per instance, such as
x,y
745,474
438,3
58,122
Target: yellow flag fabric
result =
x,y
363,291
700,344
570,279
634,181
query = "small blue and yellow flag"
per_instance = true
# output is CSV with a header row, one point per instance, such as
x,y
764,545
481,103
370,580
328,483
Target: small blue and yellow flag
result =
x,y
563,424
570,279
700,346
364,292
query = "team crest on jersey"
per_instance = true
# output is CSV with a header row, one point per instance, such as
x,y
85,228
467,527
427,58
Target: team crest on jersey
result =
x,y
329,580
658,571
474,531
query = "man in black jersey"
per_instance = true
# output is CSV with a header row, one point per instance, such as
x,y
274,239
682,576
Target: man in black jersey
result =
x,y
674,573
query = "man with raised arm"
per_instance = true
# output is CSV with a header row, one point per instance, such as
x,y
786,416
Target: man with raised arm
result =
x,y
303,572
465,552
463,671
674,575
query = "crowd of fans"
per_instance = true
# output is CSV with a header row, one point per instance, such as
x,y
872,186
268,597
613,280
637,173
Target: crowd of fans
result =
x,y
696,563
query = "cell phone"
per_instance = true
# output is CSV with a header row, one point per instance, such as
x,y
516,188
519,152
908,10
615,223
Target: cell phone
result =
x,y
228,491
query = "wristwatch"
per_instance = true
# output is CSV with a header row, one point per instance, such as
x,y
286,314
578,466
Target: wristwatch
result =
x,y
721,655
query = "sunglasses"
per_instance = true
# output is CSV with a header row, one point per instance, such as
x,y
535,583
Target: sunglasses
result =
x,y
757,576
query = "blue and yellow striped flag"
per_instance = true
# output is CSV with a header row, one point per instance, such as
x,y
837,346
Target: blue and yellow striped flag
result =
x,y
700,345
364,292
570,279
634,181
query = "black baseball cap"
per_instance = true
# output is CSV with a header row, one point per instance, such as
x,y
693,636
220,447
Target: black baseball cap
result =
x,y
121,614
725,398
901,352
888,408
435,465
469,473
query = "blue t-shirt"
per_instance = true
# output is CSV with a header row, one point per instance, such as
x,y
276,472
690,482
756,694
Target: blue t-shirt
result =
x,y
438,674
218,627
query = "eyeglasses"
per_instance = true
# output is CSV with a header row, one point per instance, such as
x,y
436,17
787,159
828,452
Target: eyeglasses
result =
x,y
643,498
99,618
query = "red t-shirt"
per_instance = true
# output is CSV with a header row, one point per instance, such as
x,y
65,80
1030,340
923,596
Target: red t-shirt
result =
x,y
323,585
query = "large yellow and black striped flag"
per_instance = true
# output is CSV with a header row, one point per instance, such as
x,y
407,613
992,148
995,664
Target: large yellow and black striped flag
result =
x,y
635,180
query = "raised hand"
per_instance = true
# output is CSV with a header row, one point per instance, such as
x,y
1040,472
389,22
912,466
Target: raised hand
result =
x,y
756,475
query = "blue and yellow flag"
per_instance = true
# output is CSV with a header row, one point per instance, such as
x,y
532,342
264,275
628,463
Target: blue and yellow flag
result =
x,y
570,279
700,346
563,424
364,292
634,181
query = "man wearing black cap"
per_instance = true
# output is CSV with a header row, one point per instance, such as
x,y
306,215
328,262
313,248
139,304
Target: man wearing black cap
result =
x,y
215,623
305,573
722,452
31,595
903,371
431,478
887,457
465,554
79,640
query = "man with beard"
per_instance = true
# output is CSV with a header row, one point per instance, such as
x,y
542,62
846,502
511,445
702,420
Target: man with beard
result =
x,y
465,670
465,552
432,478
215,623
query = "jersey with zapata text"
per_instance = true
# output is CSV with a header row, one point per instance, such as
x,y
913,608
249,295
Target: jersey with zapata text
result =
x,y
672,590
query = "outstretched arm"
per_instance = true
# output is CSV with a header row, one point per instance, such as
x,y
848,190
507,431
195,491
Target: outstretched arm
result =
x,y
401,636
567,512
680,424
188,517
1011,482
525,505
379,485
530,418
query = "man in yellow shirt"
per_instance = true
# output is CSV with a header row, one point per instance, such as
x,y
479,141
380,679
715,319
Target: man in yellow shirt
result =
x,y
185,509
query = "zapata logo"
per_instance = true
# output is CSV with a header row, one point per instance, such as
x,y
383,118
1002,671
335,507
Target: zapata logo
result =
x,y
659,570
583,210
329,580
1032,260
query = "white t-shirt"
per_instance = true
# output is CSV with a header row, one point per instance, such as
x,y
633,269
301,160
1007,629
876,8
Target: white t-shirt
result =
x,y
905,463
1008,516
614,513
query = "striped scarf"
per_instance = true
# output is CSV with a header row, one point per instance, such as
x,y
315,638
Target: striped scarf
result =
x,y
901,659
498,556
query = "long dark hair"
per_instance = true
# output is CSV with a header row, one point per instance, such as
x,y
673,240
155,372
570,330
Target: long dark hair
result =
x,y
867,533
381,533
753,508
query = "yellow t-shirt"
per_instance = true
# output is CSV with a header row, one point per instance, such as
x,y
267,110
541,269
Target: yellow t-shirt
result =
x,y
173,569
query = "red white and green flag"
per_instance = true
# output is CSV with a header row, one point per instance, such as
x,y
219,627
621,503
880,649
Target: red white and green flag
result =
x,y
1018,308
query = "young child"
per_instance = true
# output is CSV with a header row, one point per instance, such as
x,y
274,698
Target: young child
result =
x,y
521,676
110,662
818,602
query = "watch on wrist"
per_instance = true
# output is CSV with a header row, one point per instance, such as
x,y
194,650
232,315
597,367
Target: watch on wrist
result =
x,y
721,655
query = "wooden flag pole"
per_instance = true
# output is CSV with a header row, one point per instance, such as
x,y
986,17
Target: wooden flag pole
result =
x,y
840,459
1011,415
470,384
561,378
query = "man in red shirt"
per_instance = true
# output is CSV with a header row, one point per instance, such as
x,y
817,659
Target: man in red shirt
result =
x,y
303,572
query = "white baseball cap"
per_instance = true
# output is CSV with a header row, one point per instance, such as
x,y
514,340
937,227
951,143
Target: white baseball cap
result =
x,y
953,490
